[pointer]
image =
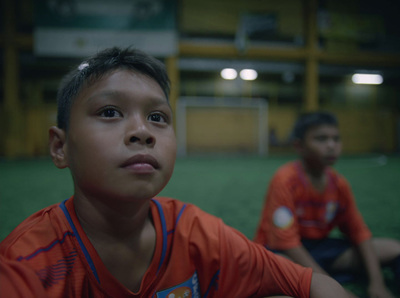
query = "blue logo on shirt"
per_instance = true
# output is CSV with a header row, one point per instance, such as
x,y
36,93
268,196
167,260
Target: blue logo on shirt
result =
x,y
188,289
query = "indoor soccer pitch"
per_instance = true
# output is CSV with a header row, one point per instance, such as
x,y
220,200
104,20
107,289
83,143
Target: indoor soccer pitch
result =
x,y
231,188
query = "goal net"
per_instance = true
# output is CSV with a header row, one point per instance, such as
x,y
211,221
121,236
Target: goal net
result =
x,y
222,125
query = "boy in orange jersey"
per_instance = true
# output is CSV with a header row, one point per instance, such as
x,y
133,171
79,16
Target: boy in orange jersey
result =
x,y
113,238
306,199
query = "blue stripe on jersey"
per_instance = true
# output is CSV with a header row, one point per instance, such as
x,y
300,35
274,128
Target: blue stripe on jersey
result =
x,y
213,283
51,275
179,215
164,233
47,248
177,219
84,250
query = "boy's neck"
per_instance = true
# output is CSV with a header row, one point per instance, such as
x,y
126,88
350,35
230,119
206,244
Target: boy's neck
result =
x,y
99,220
129,231
315,172
316,175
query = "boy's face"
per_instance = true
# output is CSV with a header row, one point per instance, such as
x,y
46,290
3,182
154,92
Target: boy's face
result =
x,y
321,145
121,142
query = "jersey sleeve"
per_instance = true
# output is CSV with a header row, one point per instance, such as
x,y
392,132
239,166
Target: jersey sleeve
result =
x,y
351,222
250,270
278,228
17,280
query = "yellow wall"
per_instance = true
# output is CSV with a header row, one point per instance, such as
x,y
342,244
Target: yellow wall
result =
x,y
37,123
213,130
367,130
204,17
31,139
222,130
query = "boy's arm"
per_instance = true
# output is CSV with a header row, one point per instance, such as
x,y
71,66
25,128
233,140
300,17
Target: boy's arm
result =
x,y
325,286
369,258
301,256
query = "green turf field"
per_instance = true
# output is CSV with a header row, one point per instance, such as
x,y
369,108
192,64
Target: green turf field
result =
x,y
231,188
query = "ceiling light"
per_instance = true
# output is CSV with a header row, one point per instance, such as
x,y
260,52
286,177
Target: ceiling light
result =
x,y
248,74
370,79
229,74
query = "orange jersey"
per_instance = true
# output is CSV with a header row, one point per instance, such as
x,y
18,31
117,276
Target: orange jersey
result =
x,y
18,280
196,255
295,210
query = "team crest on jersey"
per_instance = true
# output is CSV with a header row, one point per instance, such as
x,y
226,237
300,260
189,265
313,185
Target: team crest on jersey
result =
x,y
330,211
283,217
188,289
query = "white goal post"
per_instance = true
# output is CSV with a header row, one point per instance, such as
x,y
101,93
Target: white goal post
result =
x,y
260,106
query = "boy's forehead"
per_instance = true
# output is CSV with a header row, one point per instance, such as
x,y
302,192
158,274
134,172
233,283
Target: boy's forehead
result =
x,y
90,88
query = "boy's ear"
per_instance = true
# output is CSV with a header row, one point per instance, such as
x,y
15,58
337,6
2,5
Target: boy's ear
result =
x,y
57,140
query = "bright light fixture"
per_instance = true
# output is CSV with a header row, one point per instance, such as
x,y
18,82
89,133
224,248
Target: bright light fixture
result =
x,y
248,74
229,74
370,79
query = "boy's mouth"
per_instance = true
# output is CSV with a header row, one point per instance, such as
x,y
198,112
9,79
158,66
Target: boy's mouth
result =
x,y
331,158
141,161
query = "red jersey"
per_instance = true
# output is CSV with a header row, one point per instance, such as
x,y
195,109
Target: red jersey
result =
x,y
195,255
18,280
295,210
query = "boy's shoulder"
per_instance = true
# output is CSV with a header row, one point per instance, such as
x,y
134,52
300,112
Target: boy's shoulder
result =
x,y
289,167
187,222
295,168
173,208
38,230
292,173
338,179
287,171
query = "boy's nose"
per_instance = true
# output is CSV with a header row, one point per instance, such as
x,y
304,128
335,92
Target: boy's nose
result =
x,y
146,140
332,143
138,133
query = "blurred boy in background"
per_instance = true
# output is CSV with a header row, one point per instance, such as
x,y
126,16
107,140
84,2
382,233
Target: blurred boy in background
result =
x,y
306,199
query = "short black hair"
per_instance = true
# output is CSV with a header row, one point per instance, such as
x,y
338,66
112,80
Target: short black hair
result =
x,y
310,120
104,62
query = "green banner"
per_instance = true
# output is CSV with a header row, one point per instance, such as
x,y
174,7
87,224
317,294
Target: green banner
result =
x,y
78,28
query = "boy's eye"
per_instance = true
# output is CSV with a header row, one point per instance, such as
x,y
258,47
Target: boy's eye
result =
x,y
326,138
110,113
156,117
321,138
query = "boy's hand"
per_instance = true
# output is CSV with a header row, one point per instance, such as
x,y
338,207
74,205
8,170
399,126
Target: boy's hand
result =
x,y
379,291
